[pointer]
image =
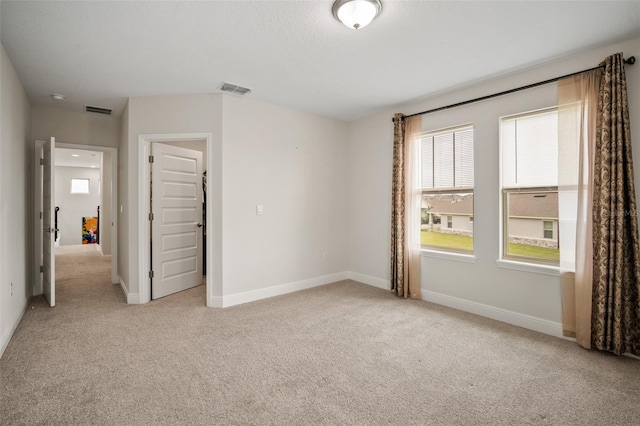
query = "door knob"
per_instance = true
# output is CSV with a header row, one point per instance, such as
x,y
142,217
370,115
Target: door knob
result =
x,y
199,225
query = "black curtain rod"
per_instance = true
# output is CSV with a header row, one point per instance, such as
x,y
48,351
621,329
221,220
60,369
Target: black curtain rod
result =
x,y
630,61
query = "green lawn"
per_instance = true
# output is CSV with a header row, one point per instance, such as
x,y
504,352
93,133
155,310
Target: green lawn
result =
x,y
533,251
462,242
446,240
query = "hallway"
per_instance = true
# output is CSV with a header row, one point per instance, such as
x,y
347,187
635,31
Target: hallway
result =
x,y
65,364
82,279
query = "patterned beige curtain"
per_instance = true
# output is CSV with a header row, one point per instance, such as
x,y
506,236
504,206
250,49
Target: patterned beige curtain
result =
x,y
577,117
405,205
615,322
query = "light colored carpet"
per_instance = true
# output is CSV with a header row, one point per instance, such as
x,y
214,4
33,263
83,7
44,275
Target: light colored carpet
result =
x,y
344,353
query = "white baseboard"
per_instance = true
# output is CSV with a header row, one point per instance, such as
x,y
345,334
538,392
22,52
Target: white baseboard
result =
x,y
132,298
514,318
6,337
216,302
367,279
499,314
276,290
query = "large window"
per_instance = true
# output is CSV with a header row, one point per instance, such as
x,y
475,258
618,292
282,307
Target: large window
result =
x,y
446,171
529,157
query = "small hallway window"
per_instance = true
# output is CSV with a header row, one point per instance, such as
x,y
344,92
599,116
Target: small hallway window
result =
x,y
79,186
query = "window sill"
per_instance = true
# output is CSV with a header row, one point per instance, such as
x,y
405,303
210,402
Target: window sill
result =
x,y
458,257
554,271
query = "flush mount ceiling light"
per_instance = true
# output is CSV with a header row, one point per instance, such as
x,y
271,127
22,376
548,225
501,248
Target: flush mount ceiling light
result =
x,y
58,97
356,14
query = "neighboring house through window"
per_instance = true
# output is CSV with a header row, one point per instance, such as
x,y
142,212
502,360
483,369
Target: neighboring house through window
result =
x,y
446,174
548,229
529,174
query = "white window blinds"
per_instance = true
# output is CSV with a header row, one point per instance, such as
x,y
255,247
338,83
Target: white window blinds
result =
x,y
530,150
447,159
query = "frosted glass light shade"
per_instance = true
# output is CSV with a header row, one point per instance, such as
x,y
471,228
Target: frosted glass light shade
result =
x,y
356,14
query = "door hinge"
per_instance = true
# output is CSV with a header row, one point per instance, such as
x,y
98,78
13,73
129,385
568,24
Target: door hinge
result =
x,y
42,161
41,268
40,215
150,274
151,158
150,216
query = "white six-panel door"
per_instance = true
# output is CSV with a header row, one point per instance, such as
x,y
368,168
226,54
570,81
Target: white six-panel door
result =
x,y
176,233
48,222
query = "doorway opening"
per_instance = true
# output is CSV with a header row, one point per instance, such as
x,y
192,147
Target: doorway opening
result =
x,y
176,221
186,222
83,172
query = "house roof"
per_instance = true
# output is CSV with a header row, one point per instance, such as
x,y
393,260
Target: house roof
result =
x,y
446,204
525,205
534,205
290,53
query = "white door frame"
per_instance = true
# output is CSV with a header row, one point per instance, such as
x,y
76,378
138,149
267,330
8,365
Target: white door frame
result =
x,y
115,279
37,224
144,237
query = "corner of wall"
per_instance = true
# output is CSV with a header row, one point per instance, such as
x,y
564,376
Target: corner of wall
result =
x,y
7,334
276,290
369,280
132,298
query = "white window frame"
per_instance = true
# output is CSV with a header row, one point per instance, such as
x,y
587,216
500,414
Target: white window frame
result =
x,y
449,191
505,224
506,258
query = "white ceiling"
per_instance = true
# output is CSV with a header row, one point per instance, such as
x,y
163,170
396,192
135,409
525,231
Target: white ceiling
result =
x,y
78,158
291,53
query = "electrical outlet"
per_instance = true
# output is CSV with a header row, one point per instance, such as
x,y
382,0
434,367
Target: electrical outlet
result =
x,y
11,289
259,210
325,256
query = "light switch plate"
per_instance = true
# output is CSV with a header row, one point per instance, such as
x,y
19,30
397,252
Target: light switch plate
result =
x,y
259,209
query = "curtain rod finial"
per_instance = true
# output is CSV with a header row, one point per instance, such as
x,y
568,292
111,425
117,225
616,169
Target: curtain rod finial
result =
x,y
631,60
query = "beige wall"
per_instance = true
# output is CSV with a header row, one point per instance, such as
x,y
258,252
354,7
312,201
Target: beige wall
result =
x,y
530,228
81,128
481,283
123,194
461,223
15,212
292,163
163,115
106,203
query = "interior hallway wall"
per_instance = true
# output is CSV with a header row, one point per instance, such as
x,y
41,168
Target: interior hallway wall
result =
x,y
291,162
81,128
161,115
122,201
106,202
15,232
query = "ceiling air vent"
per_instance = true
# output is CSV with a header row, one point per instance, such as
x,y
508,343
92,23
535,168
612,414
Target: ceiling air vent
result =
x,y
97,110
235,89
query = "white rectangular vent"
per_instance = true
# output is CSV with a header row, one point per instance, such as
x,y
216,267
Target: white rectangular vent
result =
x,y
235,89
